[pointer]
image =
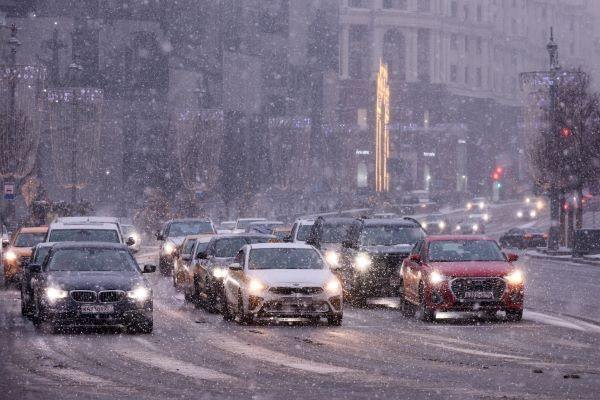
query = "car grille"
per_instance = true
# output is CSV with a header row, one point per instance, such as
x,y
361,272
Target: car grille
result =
x,y
83,296
296,290
111,296
460,286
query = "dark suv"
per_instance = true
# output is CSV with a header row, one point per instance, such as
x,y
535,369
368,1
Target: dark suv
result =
x,y
372,253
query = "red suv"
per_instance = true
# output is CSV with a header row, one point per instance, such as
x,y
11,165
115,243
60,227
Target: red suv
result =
x,y
461,273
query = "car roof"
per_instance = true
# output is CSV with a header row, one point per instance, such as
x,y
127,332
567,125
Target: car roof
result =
x,y
337,220
34,229
446,238
252,219
280,246
99,225
88,219
390,221
91,245
266,223
305,221
200,219
45,244
243,235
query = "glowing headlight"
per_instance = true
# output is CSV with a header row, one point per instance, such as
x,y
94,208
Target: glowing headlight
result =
x,y
435,278
486,217
516,277
532,213
169,248
442,225
527,200
139,294
135,237
362,262
457,228
481,205
219,272
469,206
332,257
424,225
10,256
53,294
475,228
519,214
333,286
539,204
256,287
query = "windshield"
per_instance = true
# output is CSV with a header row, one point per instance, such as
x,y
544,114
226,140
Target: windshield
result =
x,y
466,250
40,255
190,228
92,260
390,235
243,224
84,235
229,247
284,258
188,247
29,239
303,232
201,247
334,233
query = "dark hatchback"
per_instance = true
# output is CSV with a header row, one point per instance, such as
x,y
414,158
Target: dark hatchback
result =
x,y
372,253
81,284
523,238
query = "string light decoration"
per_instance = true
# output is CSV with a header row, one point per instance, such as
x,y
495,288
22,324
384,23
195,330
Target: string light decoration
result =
x,y
382,134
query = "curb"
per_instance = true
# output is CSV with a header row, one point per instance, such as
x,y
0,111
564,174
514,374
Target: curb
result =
x,y
582,261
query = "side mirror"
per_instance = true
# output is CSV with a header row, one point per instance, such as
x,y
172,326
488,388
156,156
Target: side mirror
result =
x,y
288,239
34,268
148,269
512,257
5,243
235,267
415,258
160,236
130,241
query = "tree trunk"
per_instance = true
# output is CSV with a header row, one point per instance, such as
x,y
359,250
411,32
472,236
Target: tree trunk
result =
x,y
570,226
561,219
579,210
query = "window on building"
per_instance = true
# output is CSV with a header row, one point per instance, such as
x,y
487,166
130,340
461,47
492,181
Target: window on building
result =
x,y
453,73
453,42
466,44
358,62
479,13
467,77
394,49
358,3
424,5
423,62
454,9
478,46
478,77
466,12
395,4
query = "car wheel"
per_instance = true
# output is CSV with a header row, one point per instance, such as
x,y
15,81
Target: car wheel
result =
x,y
226,311
211,298
427,314
243,317
514,316
335,320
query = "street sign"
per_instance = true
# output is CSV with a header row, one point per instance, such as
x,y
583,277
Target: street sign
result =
x,y
9,191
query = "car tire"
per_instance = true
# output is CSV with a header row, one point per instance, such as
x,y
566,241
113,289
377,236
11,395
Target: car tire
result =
x,y
335,320
211,299
226,311
514,315
426,314
243,317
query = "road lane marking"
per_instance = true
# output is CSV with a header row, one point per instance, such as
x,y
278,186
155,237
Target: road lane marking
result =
x,y
477,352
175,366
562,322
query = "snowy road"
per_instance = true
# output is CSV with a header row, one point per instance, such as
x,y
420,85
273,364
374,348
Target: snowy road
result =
x,y
551,354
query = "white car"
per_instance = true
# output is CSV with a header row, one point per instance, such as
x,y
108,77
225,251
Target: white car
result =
x,y
242,223
281,280
301,230
84,232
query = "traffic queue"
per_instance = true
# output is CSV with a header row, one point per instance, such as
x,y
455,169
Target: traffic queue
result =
x,y
81,271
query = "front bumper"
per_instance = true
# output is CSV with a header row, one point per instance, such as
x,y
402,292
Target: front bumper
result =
x,y
12,270
68,313
290,306
442,298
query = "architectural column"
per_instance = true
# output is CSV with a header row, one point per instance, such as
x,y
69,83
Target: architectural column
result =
x,y
344,51
411,55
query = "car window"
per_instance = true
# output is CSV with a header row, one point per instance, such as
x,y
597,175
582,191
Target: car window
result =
x,y
303,232
390,235
29,239
40,255
239,258
334,233
188,246
92,259
229,247
201,247
417,247
84,235
285,258
178,229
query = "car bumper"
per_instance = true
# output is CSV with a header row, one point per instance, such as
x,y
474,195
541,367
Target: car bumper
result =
x,y
69,314
442,298
272,305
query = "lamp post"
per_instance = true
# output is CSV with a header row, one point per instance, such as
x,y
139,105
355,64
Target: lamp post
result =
x,y
75,69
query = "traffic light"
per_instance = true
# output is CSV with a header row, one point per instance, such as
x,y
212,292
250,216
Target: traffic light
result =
x,y
497,173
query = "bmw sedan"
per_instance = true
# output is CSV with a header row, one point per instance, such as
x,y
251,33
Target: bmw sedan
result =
x,y
81,284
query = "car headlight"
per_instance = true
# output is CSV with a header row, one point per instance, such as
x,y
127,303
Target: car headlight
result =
x,y
539,205
481,205
136,237
332,257
469,206
457,228
10,256
532,214
486,217
435,278
139,294
362,261
527,200
333,286
256,287
515,278
54,294
169,248
442,225
475,228
219,272
519,214
424,225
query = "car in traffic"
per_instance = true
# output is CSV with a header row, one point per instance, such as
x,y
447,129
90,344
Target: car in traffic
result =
x,y
206,284
183,256
264,227
461,273
172,235
384,216
38,255
81,284
527,213
477,205
301,229
523,238
18,251
327,235
242,223
283,233
183,272
469,227
281,280
436,224
371,255
84,232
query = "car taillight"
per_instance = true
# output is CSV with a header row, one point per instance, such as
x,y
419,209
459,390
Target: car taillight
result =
x,y
545,236
528,236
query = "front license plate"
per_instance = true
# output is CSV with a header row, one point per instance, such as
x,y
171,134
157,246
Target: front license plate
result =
x,y
97,309
479,295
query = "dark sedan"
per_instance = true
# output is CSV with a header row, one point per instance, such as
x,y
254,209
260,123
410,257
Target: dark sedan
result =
x,y
523,238
81,284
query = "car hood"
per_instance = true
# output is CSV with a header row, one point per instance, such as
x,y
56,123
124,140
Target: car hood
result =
x,y
331,246
292,277
473,268
397,249
96,280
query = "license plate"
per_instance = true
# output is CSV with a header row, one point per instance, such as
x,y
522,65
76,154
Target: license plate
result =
x,y
97,309
479,295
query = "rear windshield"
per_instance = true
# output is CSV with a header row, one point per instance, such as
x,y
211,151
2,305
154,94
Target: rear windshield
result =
x,y
92,260
189,246
84,235
284,258
334,233
29,239
303,232
390,235
178,229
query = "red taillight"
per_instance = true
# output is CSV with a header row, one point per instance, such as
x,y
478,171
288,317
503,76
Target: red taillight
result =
x,y
545,236
528,236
